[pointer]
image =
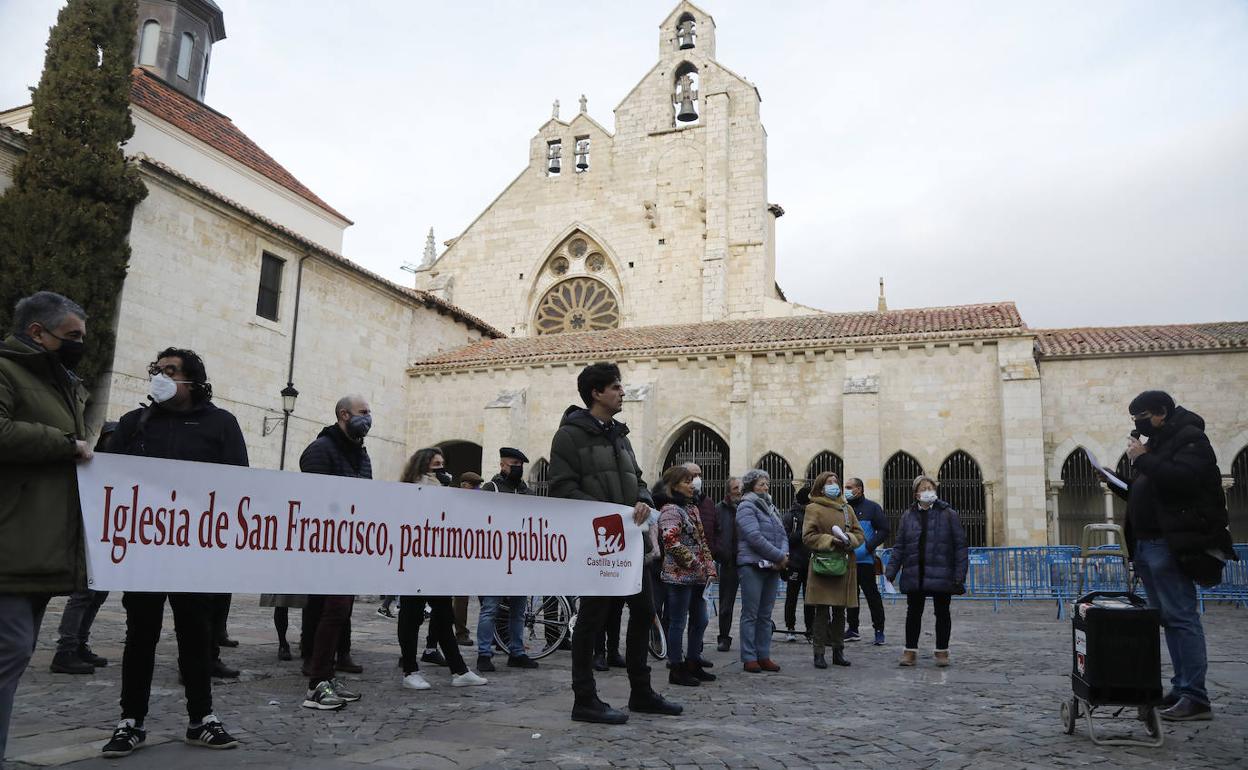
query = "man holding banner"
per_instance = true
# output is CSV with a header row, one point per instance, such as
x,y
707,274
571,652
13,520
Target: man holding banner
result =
x,y
181,423
591,458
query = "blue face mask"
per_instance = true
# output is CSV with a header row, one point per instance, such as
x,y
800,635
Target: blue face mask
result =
x,y
832,490
849,495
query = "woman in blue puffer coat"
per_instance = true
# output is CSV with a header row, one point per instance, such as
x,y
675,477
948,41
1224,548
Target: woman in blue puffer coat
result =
x,y
762,554
930,553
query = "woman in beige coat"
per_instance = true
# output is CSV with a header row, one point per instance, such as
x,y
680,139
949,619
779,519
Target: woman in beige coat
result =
x,y
831,526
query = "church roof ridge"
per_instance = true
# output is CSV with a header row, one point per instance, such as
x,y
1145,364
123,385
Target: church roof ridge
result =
x,y
997,319
424,297
216,130
1099,341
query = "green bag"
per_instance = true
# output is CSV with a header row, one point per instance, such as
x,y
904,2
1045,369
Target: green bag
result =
x,y
829,563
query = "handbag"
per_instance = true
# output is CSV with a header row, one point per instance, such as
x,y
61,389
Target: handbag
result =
x,y
829,563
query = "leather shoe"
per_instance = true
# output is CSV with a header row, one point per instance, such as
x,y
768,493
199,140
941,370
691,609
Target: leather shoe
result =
x,y
70,663
699,673
767,664
838,658
1172,697
1187,710
820,661
348,666
600,663
521,661
616,660
226,641
485,663
680,675
652,703
84,652
701,662
725,644
598,712
222,671
752,667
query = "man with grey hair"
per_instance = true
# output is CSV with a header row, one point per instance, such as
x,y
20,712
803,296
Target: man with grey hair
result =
x,y
725,549
337,451
42,435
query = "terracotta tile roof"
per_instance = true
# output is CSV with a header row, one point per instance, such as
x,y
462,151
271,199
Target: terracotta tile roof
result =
x,y
422,297
1120,340
829,329
214,129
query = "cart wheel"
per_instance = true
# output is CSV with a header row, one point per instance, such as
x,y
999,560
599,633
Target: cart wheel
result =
x,y
1152,722
1070,712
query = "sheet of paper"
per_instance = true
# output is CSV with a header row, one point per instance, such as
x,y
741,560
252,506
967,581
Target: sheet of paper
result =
x,y
1104,471
889,588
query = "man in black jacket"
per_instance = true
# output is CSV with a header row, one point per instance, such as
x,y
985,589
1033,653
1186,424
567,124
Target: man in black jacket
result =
x,y
725,550
181,423
337,451
508,480
875,524
591,458
799,564
1177,534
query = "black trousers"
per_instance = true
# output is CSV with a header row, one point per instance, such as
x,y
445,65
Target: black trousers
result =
x,y
591,619
870,589
914,619
441,624
220,620
308,625
192,623
791,590
609,639
727,596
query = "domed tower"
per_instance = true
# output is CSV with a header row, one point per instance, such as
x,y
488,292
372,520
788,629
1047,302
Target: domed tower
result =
x,y
174,41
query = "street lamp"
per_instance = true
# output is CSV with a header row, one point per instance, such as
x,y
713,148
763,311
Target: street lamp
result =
x,y
289,396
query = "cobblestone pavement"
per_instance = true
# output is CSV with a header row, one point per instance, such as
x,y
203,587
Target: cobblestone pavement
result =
x,y
997,706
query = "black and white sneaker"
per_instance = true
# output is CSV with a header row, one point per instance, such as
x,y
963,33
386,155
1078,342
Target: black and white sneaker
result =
x,y
126,738
344,693
210,734
323,698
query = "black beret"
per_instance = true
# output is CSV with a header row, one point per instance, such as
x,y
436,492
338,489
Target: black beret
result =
x,y
512,453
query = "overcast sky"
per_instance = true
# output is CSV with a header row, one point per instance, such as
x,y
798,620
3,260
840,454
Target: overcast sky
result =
x,y
1086,160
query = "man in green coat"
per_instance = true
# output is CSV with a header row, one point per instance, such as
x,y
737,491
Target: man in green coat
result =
x,y
42,436
592,459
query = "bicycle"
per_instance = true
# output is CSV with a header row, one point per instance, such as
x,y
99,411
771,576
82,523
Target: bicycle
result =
x,y
551,619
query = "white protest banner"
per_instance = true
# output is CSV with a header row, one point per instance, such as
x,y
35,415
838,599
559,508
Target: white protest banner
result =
x,y
167,525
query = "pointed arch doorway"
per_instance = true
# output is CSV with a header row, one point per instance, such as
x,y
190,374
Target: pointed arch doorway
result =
x,y
696,443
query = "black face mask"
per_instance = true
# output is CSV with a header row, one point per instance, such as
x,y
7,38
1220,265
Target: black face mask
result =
x,y
515,474
444,478
1145,427
70,352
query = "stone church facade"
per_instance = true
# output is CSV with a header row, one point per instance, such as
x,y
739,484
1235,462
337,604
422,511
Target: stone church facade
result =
x,y
234,257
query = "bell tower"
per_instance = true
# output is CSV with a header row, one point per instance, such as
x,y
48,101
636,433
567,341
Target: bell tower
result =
x,y
174,41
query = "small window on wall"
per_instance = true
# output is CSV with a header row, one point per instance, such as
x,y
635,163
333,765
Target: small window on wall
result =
x,y
270,287
149,42
184,55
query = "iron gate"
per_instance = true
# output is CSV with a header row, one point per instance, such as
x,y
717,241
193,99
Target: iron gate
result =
x,y
1237,497
962,486
899,474
699,444
539,477
1081,500
782,491
826,460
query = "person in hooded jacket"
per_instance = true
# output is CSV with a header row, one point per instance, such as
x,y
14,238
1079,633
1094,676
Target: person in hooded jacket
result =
x,y
592,459
831,525
1177,535
931,555
687,568
181,423
337,451
43,433
799,562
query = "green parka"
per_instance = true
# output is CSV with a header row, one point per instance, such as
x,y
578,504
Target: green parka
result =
x,y
591,462
41,416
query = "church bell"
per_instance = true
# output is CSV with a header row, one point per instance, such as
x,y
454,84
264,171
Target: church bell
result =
x,y
687,114
684,35
553,168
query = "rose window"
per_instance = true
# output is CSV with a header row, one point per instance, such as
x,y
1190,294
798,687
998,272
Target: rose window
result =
x,y
559,265
577,305
595,262
577,248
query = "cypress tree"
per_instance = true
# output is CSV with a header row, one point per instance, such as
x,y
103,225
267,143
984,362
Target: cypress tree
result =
x,y
65,221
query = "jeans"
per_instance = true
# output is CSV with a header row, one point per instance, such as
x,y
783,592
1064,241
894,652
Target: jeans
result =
x,y
192,624
334,616
20,618
685,604
870,589
1173,594
591,617
76,620
441,624
914,619
758,600
516,606
828,633
727,598
792,590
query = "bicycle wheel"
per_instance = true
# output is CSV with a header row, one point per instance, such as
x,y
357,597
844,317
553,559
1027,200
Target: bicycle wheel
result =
x,y
547,622
658,640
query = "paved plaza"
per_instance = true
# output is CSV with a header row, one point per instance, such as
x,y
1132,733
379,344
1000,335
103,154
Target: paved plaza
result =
x,y
996,707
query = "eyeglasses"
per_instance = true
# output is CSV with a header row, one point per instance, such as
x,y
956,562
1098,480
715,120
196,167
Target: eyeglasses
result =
x,y
169,370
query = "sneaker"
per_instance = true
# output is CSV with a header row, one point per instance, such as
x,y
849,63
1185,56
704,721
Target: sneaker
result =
x,y
323,698
1187,710
126,738
521,661
879,639
1172,697
70,663
84,652
415,681
485,663
210,734
598,712
650,702
433,658
344,693
468,679
385,612
790,637
852,636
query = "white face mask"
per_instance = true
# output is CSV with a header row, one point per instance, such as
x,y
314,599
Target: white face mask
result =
x,y
162,388
927,497
697,485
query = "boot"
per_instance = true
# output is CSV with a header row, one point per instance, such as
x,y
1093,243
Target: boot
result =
x,y
84,652
283,651
838,657
942,658
699,673
725,644
346,665
680,675
908,658
70,663
650,702
594,710
820,662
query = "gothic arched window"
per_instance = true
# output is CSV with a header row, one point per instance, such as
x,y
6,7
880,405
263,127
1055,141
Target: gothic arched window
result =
x,y
184,55
149,42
